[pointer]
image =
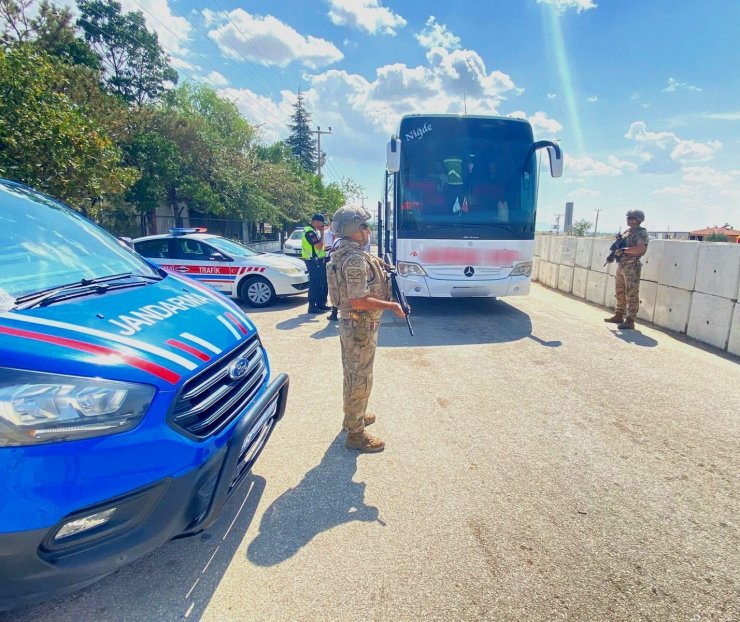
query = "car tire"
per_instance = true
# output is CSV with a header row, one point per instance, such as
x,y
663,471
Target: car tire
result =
x,y
257,292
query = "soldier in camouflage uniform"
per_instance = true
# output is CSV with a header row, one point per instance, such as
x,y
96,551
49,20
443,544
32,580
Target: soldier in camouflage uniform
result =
x,y
627,288
359,287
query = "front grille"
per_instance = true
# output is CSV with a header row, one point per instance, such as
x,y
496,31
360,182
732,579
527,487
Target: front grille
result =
x,y
210,400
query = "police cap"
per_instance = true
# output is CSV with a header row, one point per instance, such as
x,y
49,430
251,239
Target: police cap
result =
x,y
347,220
636,213
319,217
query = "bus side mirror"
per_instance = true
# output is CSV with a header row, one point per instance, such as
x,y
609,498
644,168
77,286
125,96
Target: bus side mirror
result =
x,y
393,156
556,160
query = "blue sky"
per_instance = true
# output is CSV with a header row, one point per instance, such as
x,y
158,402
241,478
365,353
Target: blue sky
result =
x,y
643,95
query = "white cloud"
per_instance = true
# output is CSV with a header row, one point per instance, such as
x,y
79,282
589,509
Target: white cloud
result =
x,y
592,99
664,152
704,183
674,85
217,79
583,192
563,5
271,118
172,31
268,41
724,116
365,15
436,35
182,64
590,167
551,95
543,126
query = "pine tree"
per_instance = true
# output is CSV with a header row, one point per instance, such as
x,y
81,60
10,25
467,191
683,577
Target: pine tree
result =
x,y
301,141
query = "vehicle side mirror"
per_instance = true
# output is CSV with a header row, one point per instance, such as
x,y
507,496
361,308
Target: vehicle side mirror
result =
x,y
127,242
556,160
219,257
555,154
393,153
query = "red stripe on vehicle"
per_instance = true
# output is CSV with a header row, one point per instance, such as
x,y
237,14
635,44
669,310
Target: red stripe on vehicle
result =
x,y
189,349
237,322
134,361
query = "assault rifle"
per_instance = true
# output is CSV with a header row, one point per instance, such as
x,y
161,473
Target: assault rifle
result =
x,y
618,244
398,292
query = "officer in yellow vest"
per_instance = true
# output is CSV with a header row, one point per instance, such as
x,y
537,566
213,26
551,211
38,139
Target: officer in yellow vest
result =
x,y
313,253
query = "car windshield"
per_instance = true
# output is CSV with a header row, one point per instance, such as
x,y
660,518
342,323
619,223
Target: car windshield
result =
x,y
296,235
47,245
232,247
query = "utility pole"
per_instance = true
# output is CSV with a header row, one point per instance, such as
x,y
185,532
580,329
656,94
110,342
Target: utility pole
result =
x,y
362,198
596,226
318,133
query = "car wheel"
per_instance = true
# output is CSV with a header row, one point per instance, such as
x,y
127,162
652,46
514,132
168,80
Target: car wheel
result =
x,y
257,292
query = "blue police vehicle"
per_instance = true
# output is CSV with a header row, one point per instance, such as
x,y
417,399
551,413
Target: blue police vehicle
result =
x,y
133,401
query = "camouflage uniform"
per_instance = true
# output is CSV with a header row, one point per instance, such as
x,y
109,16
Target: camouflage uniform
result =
x,y
353,273
627,287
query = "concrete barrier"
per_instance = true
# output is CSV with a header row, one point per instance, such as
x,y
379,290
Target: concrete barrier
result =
x,y
733,344
688,287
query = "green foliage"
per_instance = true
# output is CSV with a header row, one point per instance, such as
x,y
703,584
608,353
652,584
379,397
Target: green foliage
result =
x,y
581,227
716,237
135,66
47,139
301,141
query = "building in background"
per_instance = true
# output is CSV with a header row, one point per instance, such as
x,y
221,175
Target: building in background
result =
x,y
731,234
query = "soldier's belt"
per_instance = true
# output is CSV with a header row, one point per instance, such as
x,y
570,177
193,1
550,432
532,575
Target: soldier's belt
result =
x,y
361,319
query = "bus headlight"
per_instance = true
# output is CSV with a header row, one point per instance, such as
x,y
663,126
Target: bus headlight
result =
x,y
522,269
38,408
409,269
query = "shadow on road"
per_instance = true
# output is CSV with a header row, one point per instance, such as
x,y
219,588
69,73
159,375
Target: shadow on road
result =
x,y
174,582
456,321
325,498
636,337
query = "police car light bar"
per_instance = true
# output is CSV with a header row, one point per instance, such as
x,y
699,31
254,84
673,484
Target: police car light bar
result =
x,y
186,230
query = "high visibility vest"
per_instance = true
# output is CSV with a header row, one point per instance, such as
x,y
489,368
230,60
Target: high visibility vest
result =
x,y
307,249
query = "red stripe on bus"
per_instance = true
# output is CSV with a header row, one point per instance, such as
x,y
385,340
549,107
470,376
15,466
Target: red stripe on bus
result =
x,y
189,349
134,361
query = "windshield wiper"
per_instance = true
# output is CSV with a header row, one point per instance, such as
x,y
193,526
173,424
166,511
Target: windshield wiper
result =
x,y
83,287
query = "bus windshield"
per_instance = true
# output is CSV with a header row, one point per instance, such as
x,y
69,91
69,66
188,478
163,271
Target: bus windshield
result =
x,y
466,177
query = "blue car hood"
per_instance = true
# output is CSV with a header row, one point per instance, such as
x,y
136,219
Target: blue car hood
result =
x,y
158,333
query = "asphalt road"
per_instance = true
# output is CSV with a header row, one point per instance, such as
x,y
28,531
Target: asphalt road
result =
x,y
539,466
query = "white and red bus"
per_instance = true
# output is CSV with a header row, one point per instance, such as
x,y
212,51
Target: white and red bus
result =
x,y
461,204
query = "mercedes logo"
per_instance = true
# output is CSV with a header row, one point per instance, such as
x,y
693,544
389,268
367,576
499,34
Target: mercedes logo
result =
x,y
238,368
469,271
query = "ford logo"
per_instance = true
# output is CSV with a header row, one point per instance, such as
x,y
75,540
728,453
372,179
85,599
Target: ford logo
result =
x,y
469,271
238,368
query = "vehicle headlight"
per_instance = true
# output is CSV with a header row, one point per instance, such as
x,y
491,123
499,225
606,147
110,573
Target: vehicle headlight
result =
x,y
410,269
38,408
522,269
289,270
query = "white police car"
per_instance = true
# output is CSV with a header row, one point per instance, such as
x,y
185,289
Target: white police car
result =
x,y
294,244
226,265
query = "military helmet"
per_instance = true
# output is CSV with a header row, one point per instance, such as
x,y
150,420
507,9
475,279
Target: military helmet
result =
x,y
636,213
347,220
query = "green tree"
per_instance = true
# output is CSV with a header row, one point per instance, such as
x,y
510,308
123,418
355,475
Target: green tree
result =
x,y
135,66
716,237
581,227
301,140
47,139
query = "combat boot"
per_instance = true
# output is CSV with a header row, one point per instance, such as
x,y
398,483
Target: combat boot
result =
x,y
617,318
364,442
628,324
368,419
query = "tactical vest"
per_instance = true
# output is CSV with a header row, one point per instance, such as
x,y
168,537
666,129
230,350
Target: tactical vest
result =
x,y
307,249
378,280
